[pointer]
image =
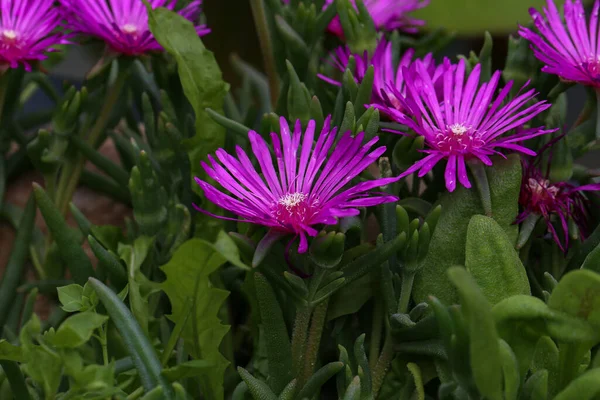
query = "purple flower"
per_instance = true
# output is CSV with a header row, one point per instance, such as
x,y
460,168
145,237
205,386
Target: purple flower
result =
x,y
572,53
28,30
387,15
559,200
123,24
388,82
307,187
465,122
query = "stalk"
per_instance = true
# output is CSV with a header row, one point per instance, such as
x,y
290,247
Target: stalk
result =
x,y
266,45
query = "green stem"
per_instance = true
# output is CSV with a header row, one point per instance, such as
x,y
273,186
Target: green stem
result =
x,y
262,27
405,291
385,359
103,343
376,329
73,170
483,186
314,342
299,338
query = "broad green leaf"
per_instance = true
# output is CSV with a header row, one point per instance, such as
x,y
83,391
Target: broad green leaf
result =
x,y
140,287
577,294
77,329
350,298
584,387
187,369
546,357
521,320
486,362
592,261
510,370
188,276
448,242
10,352
493,262
536,386
202,84
70,297
94,378
472,17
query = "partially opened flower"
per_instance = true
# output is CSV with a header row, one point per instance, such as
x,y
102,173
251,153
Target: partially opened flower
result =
x,y
467,122
387,15
554,201
388,82
306,186
123,24
28,31
571,52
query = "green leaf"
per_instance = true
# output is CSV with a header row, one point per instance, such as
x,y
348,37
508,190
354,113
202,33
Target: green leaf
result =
x,y
592,261
77,329
492,260
350,298
187,369
140,287
486,362
188,276
510,370
584,387
279,353
449,238
546,357
415,371
202,83
536,386
10,352
70,297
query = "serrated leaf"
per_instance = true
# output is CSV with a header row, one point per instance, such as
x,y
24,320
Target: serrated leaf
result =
x,y
10,352
188,276
77,329
70,297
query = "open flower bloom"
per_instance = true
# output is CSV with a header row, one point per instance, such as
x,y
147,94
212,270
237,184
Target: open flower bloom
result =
x,y
572,53
388,79
562,201
305,187
465,122
123,24
28,30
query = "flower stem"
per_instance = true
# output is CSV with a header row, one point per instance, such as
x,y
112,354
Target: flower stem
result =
x,y
103,343
314,341
72,172
408,279
262,27
483,186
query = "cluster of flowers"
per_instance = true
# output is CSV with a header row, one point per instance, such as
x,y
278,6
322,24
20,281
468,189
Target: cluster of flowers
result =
x,y
461,119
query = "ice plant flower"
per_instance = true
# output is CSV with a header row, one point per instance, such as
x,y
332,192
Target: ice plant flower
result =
x,y
123,24
388,15
561,201
572,53
28,31
388,79
306,186
465,122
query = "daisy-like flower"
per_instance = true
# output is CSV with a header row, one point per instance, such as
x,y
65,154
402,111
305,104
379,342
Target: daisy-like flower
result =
x,y
28,30
465,122
561,201
123,24
572,53
305,187
388,79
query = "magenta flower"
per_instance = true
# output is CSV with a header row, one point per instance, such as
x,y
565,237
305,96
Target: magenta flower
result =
x,y
123,24
464,123
387,15
560,200
388,82
572,53
307,187
28,30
